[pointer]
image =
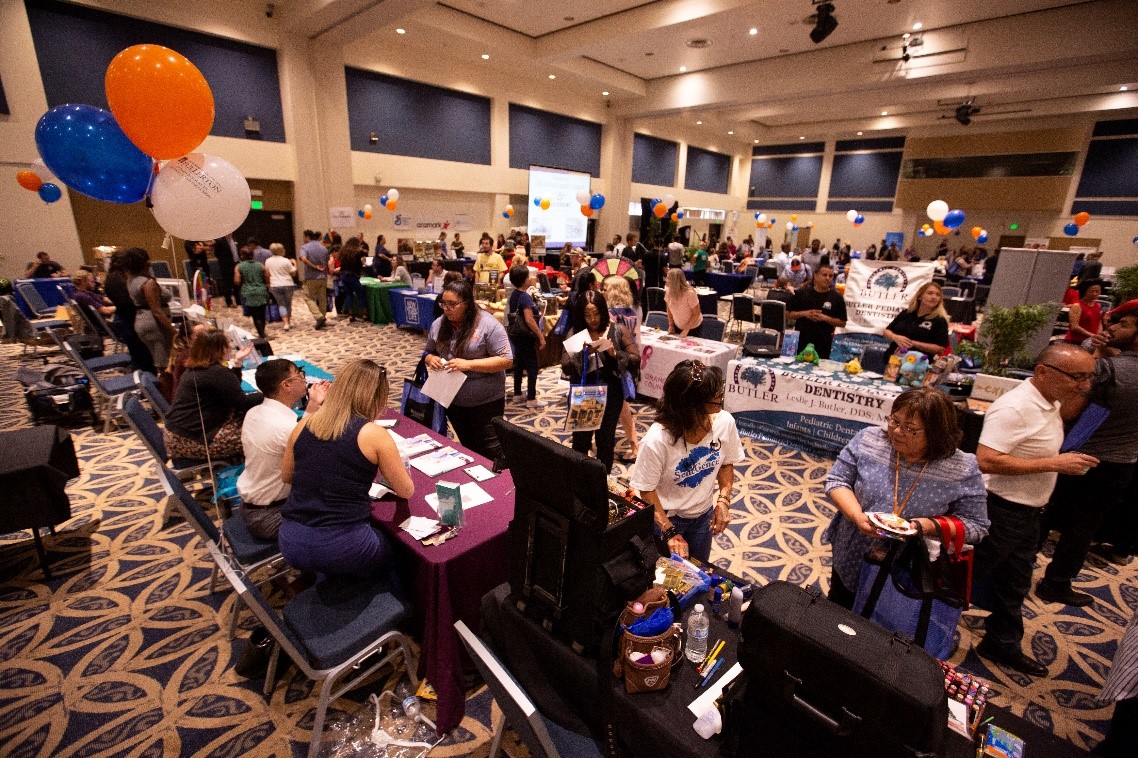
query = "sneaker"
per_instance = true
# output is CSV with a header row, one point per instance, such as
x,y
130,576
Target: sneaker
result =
x,y
1051,593
517,398
288,327
321,323
533,403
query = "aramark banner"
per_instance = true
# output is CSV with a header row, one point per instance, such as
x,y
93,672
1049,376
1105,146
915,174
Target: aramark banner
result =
x,y
876,291
792,405
432,222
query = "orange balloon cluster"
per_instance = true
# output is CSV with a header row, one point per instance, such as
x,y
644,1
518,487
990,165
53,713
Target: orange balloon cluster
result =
x,y
29,180
1082,218
659,210
940,228
586,211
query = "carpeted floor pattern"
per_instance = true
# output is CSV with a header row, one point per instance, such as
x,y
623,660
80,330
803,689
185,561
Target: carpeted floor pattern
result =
x,y
126,652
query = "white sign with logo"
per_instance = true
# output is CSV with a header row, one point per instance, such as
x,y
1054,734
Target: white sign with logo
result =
x,y
340,217
876,291
433,223
660,353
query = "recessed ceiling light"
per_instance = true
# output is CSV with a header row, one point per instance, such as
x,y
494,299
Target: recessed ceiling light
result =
x,y
917,26
1123,88
883,113
605,93
570,18
906,35
730,132
859,134
554,76
485,56
756,142
784,49
400,31
649,54
698,123
683,69
752,31
801,138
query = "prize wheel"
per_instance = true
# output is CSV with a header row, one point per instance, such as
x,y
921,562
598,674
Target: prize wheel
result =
x,y
607,267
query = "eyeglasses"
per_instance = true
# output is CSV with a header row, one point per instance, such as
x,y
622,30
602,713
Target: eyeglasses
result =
x,y
1080,377
912,431
450,304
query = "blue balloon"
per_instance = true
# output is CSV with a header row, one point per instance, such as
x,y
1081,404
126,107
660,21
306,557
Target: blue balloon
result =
x,y
1071,229
860,219
383,200
537,202
360,213
505,215
982,238
84,147
757,214
597,201
680,214
794,228
772,221
954,219
49,192
1134,241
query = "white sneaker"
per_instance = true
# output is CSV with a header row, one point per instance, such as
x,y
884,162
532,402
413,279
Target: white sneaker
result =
x,y
288,327
533,403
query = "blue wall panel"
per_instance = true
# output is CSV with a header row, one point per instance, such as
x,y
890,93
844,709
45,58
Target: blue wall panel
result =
x,y
797,176
766,204
707,171
654,160
865,174
795,148
842,206
1111,169
550,139
869,143
1116,128
1106,207
74,46
416,120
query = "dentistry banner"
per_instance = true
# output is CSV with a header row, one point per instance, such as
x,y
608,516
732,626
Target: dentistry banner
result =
x,y
876,291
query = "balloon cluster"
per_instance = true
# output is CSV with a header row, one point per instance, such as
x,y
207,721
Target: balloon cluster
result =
x,y
31,179
660,207
365,212
1080,219
542,202
590,203
391,200
945,221
161,109
509,212
854,217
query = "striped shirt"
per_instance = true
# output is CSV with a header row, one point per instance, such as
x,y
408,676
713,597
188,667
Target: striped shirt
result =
x,y
1122,681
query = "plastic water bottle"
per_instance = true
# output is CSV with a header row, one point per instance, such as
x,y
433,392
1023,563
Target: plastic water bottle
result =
x,y
696,648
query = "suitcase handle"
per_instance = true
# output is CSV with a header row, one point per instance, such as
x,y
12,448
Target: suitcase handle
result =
x,y
842,729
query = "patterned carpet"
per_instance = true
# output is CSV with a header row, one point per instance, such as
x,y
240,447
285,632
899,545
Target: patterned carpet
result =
x,y
125,652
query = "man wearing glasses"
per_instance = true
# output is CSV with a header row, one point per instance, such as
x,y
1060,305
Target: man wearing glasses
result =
x,y
264,434
1019,456
1080,504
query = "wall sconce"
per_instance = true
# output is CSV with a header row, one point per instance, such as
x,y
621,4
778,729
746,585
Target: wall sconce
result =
x,y
252,128
373,138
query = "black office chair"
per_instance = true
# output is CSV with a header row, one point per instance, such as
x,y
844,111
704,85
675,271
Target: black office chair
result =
x,y
967,288
772,314
657,320
654,298
742,310
712,329
761,343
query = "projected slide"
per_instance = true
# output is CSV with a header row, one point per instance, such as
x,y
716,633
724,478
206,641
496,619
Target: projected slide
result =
x,y
563,221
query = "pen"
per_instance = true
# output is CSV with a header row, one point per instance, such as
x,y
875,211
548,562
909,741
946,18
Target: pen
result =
x,y
710,672
710,659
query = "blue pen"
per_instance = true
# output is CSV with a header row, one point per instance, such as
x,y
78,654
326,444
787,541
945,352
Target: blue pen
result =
x,y
711,672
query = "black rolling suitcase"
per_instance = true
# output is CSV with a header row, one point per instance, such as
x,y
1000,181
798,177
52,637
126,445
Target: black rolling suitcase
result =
x,y
823,681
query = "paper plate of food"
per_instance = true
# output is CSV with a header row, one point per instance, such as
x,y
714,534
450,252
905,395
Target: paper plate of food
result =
x,y
892,526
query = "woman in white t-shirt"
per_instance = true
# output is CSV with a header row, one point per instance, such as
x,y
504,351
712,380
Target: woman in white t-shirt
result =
x,y
686,466
281,271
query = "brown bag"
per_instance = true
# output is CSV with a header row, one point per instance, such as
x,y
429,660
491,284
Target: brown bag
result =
x,y
650,677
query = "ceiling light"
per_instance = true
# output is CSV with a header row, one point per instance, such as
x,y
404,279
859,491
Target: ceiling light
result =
x,y
553,76
730,132
917,26
756,142
906,35
400,31
801,138
1123,88
570,18
753,31
884,113
485,56
826,23
605,93
683,69
698,123
859,134
699,43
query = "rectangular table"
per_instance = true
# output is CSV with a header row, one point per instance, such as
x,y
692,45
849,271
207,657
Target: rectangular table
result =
x,y
379,310
725,284
449,579
793,404
660,352
413,309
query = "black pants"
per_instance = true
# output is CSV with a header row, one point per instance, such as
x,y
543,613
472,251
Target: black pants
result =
x,y
257,313
1077,509
525,359
606,434
1120,527
1002,568
839,592
472,425
140,357
225,280
1122,739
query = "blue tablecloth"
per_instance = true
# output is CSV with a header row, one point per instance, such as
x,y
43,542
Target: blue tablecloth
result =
x,y
725,284
413,309
311,371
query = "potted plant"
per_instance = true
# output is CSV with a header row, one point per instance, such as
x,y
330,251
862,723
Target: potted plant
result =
x,y
1004,334
1125,285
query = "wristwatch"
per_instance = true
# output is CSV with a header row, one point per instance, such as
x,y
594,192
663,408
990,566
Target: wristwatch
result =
x,y
670,533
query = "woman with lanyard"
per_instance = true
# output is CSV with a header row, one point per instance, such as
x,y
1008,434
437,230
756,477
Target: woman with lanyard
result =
x,y
911,469
611,351
686,466
468,339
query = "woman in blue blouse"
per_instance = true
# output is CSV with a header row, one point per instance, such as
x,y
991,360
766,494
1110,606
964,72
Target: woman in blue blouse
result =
x,y
911,468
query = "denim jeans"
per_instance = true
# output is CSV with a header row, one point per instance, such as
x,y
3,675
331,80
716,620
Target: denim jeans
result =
x,y
696,531
353,549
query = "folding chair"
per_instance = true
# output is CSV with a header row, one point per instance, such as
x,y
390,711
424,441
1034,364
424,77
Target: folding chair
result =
x,y
34,300
148,383
19,328
761,343
657,320
161,270
712,329
112,362
107,388
654,298
742,310
541,736
327,634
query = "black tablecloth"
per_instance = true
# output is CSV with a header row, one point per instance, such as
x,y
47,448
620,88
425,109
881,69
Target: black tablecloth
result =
x,y
34,468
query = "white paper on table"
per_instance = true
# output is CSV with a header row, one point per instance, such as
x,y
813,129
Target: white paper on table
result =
x,y
413,446
249,376
378,490
713,691
441,461
576,343
420,526
443,385
472,495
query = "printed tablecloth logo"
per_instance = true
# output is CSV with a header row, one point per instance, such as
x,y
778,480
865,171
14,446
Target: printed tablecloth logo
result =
x,y
888,278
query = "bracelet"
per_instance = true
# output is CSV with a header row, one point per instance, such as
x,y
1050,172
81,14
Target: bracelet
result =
x,y
670,533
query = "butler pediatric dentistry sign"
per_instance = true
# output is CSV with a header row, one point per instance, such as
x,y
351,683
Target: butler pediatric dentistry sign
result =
x,y
876,291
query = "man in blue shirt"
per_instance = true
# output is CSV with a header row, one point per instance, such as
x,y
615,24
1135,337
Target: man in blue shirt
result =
x,y
314,273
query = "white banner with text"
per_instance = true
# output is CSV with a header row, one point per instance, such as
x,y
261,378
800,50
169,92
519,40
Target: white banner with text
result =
x,y
876,291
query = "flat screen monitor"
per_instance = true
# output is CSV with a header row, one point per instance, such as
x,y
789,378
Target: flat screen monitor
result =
x,y
562,222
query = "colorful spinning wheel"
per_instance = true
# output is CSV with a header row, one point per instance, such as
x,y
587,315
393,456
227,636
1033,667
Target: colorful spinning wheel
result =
x,y
607,267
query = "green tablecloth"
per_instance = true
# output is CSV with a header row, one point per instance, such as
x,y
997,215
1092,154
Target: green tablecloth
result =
x,y
379,309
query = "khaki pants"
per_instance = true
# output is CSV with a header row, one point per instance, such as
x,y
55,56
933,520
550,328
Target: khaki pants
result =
x,y
316,297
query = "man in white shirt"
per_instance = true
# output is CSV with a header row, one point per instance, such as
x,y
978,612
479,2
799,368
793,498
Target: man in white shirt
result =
x,y
264,433
1019,456
438,276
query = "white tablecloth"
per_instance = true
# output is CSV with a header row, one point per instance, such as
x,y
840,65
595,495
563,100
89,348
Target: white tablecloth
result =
x,y
660,352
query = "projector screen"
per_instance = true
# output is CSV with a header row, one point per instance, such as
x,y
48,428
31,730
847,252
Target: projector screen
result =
x,y
563,221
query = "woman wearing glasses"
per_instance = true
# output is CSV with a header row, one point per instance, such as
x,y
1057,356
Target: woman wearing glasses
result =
x,y
331,460
912,469
687,460
468,339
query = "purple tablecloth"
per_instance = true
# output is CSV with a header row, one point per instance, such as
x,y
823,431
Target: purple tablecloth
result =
x,y
450,579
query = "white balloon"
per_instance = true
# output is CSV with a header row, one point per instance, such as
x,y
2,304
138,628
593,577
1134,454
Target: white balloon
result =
x,y
851,216
583,197
669,200
790,226
937,210
367,207
393,194
762,219
200,197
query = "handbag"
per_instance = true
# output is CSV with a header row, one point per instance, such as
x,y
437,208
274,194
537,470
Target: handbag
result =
x,y
959,559
586,402
417,406
929,622
561,328
654,676
518,328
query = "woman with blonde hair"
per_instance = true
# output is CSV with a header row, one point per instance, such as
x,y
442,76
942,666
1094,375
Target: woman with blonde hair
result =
x,y
923,325
281,271
684,316
623,310
331,460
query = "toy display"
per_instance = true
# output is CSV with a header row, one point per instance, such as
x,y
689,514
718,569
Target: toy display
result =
x,y
808,354
913,367
854,367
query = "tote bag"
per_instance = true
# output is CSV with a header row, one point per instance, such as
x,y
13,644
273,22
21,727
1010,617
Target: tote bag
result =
x,y
586,402
419,407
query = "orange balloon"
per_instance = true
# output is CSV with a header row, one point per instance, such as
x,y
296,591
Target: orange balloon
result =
x,y
976,232
793,216
29,180
367,215
390,204
1082,218
586,211
160,99
659,210
940,228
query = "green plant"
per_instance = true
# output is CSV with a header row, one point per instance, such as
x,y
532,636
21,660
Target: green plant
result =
x,y
1005,331
1125,285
